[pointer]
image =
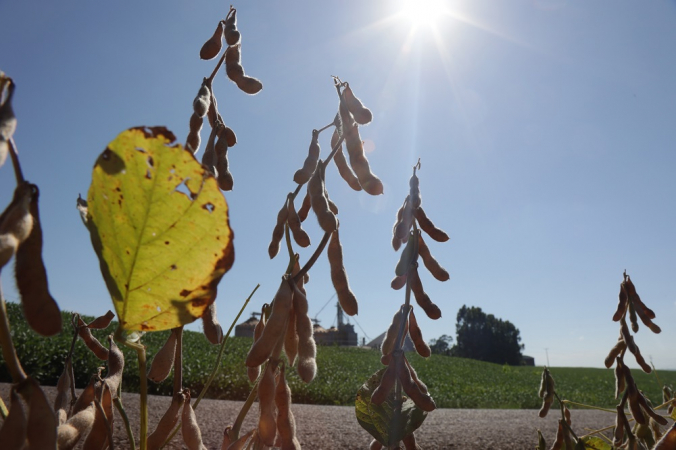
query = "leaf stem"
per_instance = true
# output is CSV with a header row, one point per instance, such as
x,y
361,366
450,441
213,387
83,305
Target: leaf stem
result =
x,y
178,360
310,262
143,381
215,71
15,162
3,409
120,409
8,350
582,405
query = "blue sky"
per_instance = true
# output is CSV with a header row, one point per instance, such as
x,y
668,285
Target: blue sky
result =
x,y
545,130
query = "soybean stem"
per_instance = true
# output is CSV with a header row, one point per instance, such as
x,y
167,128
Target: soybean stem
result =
x,y
15,162
178,360
243,412
310,262
215,71
143,381
222,350
120,409
582,405
8,350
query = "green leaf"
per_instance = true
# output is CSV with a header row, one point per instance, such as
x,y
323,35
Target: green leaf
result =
x,y
386,422
159,225
673,413
596,443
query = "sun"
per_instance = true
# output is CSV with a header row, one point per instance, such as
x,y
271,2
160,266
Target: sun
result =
x,y
423,13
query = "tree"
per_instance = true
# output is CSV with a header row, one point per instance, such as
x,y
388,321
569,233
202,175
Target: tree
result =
x,y
486,338
442,345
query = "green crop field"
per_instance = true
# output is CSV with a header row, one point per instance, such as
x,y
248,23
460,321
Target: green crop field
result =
x,y
453,382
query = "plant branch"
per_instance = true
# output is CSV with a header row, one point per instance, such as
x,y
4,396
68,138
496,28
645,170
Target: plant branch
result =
x,y
244,411
582,405
215,71
120,409
178,360
3,409
143,379
310,262
8,350
15,162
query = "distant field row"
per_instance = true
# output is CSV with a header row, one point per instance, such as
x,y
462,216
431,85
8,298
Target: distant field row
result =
x,y
453,382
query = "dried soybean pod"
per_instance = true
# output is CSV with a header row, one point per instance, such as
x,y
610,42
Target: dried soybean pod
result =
x,y
224,178
362,115
163,360
421,399
566,414
633,319
375,445
209,156
201,103
409,442
416,336
42,423
668,441
614,352
275,326
403,226
286,424
267,428
332,206
192,142
63,389
422,386
341,163
299,235
542,444
414,190
16,222
307,349
13,429
432,310
355,150
278,231
115,366
291,338
192,436
7,121
86,396
431,264
212,329
239,444
233,64
339,277
320,205
39,308
90,341
408,257
620,382
398,282
646,407
634,406
229,135
303,174
558,443
166,423
101,322
232,36
304,207
250,85
428,227
69,434
618,435
396,242
213,46
254,372
390,339
387,381
621,304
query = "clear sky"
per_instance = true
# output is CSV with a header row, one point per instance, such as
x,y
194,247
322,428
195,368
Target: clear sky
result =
x,y
546,132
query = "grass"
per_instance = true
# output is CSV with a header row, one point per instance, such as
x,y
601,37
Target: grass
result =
x,y
453,382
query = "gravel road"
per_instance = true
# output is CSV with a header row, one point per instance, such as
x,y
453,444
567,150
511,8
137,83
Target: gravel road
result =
x,y
335,427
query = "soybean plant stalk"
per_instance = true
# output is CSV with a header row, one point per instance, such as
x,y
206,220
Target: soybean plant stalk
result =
x,y
120,409
141,355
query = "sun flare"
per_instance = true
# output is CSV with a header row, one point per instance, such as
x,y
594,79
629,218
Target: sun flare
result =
x,y
423,13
